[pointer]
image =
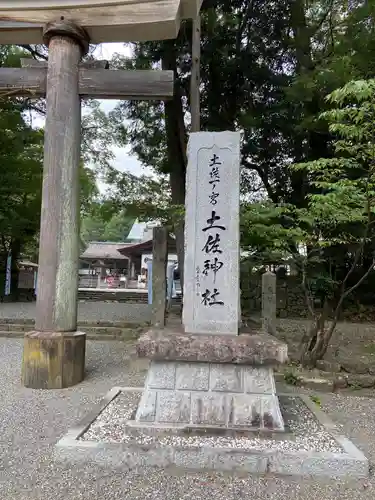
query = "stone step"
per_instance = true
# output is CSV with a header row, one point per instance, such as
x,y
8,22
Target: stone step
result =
x,y
126,334
115,296
121,300
15,328
15,321
5,323
94,329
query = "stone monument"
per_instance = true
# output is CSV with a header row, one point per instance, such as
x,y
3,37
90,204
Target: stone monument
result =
x,y
269,302
212,234
210,374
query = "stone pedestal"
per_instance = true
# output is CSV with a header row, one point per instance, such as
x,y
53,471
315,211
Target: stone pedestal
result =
x,y
53,360
210,395
210,381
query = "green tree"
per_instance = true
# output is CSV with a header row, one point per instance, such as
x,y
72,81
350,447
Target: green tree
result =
x,y
21,169
118,228
88,188
337,221
103,224
92,228
141,197
21,166
264,69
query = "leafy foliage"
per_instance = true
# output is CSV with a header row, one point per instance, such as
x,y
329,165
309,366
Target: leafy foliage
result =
x,y
147,198
21,167
327,239
264,69
97,226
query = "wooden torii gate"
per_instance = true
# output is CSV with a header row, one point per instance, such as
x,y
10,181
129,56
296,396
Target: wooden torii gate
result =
x,y
54,354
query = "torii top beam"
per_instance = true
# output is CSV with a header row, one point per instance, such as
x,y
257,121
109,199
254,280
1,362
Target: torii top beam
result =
x,y
22,21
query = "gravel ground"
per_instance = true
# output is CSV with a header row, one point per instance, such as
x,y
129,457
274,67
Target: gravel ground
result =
x,y
306,432
87,311
31,422
356,416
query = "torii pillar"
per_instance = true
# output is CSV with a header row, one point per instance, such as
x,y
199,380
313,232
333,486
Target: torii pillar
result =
x,y
54,354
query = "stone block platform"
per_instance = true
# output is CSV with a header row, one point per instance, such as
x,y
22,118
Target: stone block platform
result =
x,y
210,395
311,445
210,381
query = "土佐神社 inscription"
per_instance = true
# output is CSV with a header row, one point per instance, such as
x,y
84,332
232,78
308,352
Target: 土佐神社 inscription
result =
x,y
212,264
212,234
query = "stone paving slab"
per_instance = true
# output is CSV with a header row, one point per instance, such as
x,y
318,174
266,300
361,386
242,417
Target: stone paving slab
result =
x,y
165,448
87,311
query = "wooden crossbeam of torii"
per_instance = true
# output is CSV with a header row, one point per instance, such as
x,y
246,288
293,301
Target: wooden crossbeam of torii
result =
x,y
93,82
22,21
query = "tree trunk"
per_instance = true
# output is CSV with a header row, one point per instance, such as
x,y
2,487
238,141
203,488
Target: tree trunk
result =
x,y
309,144
315,342
176,144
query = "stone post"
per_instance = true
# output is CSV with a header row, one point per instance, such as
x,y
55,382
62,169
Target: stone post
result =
x,y
269,302
54,354
159,279
132,271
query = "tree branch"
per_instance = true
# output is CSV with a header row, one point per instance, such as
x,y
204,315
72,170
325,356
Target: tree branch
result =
x,y
34,52
360,248
242,26
319,24
264,178
354,287
306,290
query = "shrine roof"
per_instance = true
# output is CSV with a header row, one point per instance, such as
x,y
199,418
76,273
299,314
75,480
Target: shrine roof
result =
x,y
138,249
104,250
27,263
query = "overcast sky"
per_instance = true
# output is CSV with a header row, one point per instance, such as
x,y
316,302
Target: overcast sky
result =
x,y
123,161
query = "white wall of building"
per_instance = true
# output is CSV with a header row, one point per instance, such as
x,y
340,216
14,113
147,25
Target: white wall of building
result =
x,y
172,258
